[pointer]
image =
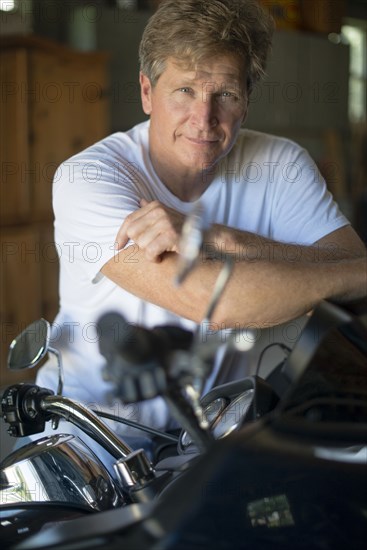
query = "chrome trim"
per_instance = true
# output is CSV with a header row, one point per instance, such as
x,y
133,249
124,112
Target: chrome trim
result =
x,y
134,470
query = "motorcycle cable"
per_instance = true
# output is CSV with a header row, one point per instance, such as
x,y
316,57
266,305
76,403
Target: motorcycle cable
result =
x,y
286,350
136,425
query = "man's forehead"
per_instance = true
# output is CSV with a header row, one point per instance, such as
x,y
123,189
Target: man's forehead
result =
x,y
225,69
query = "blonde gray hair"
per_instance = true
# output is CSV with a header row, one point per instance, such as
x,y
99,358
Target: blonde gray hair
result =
x,y
191,31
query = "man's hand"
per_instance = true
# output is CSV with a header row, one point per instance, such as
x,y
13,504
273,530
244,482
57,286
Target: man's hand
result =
x,y
155,228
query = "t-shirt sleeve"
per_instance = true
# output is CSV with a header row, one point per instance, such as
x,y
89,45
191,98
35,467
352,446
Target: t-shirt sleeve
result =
x,y
304,209
92,195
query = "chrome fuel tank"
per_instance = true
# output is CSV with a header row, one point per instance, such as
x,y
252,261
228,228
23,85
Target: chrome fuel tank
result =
x,y
58,469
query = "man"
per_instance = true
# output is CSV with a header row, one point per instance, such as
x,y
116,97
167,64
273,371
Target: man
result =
x,y
292,246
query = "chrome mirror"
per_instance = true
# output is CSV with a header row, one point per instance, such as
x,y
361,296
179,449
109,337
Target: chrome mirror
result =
x,y
31,346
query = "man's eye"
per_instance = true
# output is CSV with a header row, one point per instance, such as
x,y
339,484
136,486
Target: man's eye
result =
x,y
226,94
185,90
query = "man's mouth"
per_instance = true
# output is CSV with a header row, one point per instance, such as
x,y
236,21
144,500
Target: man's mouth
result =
x,y
203,141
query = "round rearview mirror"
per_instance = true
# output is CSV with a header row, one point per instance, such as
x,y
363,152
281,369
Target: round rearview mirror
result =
x,y
27,349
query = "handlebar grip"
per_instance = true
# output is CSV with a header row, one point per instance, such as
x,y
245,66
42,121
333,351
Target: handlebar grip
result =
x,y
116,336
138,358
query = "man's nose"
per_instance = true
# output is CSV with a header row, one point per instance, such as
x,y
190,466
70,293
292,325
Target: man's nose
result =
x,y
204,113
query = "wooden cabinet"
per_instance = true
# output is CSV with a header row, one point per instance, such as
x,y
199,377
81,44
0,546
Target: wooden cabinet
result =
x,y
20,288
15,195
53,103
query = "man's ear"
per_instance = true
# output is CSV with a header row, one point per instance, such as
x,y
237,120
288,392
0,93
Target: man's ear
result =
x,y
146,93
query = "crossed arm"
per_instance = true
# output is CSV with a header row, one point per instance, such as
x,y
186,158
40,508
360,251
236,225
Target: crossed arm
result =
x,y
271,282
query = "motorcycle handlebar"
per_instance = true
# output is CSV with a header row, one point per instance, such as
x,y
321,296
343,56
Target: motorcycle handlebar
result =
x,y
86,420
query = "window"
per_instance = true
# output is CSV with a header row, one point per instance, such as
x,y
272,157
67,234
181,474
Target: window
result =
x,y
355,33
8,5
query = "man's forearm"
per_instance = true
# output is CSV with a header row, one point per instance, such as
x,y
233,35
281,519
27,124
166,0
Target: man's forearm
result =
x,y
266,293
260,293
274,282
244,245
271,282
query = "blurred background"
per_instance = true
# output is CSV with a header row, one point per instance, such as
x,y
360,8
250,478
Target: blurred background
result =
x,y
69,77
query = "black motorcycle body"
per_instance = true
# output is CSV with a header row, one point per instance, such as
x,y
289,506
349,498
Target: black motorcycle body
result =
x,y
286,468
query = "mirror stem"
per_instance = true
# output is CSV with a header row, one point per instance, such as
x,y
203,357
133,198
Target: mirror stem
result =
x,y
60,385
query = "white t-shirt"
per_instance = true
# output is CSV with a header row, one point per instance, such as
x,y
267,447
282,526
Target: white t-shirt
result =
x,y
266,184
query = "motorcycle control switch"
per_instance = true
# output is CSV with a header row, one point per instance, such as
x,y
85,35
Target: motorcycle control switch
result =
x,y
21,408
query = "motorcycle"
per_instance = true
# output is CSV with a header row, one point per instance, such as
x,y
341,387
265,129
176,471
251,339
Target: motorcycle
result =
x,y
277,462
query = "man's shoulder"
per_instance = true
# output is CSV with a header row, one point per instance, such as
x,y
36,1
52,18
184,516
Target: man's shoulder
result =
x,y
118,157
255,138
115,146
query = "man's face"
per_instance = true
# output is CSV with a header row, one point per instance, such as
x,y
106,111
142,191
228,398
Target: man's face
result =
x,y
195,115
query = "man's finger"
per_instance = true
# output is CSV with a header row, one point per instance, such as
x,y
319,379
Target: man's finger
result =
x,y
121,238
